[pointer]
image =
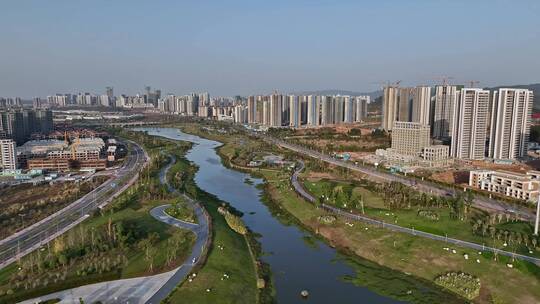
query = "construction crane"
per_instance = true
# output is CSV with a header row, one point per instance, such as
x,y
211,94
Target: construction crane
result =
x,y
473,83
444,79
74,146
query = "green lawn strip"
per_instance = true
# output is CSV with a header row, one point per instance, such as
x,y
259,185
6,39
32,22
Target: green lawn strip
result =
x,y
445,226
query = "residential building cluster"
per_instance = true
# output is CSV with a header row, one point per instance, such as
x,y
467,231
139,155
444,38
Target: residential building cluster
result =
x,y
19,123
474,123
277,110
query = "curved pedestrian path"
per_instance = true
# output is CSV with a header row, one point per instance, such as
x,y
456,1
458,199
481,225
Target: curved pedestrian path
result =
x,y
150,289
356,217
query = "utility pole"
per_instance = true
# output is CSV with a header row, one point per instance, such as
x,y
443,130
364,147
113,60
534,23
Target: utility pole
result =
x,y
537,222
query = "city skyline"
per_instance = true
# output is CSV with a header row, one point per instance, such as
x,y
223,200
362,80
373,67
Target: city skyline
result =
x,y
235,48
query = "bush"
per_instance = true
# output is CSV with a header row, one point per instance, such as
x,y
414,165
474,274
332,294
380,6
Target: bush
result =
x,y
235,223
461,283
431,215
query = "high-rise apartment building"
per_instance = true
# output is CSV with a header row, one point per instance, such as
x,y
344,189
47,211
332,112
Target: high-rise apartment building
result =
x,y
276,101
339,107
510,123
405,104
327,110
348,112
421,104
360,107
252,109
294,111
445,97
389,107
313,110
8,158
469,125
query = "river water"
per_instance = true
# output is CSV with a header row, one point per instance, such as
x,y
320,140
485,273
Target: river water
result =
x,y
296,264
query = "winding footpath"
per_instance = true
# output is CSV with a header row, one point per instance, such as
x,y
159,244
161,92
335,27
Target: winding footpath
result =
x,y
150,289
355,217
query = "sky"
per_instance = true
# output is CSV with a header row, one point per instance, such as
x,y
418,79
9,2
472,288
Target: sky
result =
x,y
257,46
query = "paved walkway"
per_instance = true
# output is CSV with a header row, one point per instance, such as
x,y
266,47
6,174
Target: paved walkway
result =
x,y
150,289
300,190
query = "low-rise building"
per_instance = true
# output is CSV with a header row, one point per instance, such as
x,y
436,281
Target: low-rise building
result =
x,y
516,185
436,154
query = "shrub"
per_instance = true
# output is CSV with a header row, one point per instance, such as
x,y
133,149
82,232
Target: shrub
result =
x,y
431,215
461,283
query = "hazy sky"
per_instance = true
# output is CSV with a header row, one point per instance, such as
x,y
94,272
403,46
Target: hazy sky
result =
x,y
244,47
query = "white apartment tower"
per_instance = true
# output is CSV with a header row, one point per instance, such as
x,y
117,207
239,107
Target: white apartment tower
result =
x,y
445,97
294,111
275,110
421,105
252,110
327,110
8,158
469,126
510,123
313,105
389,107
348,115
360,107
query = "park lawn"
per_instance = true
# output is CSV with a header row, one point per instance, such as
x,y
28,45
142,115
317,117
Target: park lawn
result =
x,y
414,255
445,226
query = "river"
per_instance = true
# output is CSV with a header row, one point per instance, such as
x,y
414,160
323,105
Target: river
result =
x,y
296,264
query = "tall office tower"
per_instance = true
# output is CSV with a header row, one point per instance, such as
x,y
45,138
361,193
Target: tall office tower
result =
x,y
409,138
109,92
252,109
510,125
266,113
8,158
339,105
294,110
389,107
469,125
275,110
327,110
445,97
313,105
421,105
361,103
348,109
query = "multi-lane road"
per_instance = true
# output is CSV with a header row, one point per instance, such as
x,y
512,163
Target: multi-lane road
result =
x,y
423,186
38,234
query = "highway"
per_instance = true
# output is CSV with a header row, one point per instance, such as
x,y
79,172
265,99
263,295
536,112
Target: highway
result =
x,y
423,186
33,237
356,217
